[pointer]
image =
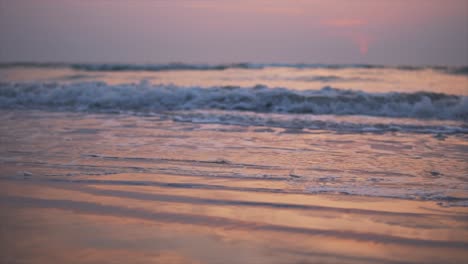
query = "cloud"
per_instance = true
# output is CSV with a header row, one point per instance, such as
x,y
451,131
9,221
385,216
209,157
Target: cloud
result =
x,y
352,29
362,41
344,23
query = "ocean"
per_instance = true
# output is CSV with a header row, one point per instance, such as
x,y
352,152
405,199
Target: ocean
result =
x,y
235,163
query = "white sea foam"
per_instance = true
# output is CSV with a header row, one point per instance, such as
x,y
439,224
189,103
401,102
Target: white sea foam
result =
x,y
299,122
144,97
415,193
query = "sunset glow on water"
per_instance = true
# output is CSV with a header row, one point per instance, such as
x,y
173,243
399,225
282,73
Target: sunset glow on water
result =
x,y
200,131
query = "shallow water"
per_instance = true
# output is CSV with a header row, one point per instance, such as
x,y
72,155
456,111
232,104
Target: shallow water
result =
x,y
149,189
115,172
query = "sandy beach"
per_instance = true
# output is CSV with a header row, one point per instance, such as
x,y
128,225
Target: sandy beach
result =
x,y
93,188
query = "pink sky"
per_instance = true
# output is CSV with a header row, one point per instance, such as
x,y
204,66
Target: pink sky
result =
x,y
213,31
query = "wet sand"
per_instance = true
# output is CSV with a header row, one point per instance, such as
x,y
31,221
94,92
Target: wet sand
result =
x,y
77,188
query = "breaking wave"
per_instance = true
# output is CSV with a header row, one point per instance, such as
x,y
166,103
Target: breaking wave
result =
x,y
93,67
144,97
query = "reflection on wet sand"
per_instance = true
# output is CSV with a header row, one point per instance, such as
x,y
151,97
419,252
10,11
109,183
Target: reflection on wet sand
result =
x,y
75,190
28,211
